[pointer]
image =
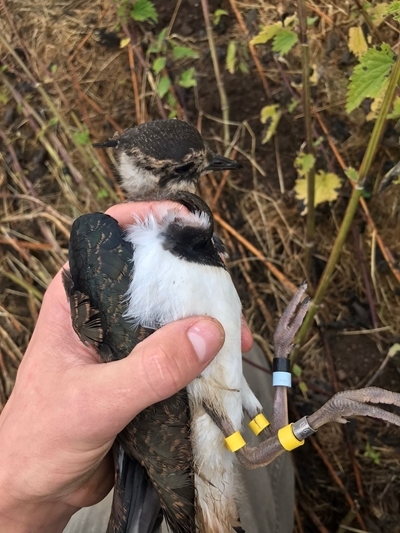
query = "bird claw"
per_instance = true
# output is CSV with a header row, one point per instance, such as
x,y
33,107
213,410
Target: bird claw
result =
x,y
290,322
356,403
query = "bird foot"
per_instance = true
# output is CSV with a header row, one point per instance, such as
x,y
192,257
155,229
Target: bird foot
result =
x,y
290,322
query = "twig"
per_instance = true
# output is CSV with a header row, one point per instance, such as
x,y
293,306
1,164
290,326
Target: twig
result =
x,y
220,84
272,268
22,283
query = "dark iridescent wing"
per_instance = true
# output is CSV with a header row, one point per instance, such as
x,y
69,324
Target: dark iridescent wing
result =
x,y
100,274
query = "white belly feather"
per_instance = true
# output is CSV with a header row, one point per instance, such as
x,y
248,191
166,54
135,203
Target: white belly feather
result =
x,y
166,288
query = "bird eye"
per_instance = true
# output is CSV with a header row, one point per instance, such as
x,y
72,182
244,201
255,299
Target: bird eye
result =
x,y
184,168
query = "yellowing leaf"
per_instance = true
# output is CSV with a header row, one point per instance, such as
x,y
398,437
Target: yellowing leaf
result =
x,y
357,43
304,163
395,113
378,13
326,189
231,57
270,116
375,106
267,33
124,42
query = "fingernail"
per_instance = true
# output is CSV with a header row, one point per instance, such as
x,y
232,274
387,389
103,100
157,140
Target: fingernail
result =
x,y
207,339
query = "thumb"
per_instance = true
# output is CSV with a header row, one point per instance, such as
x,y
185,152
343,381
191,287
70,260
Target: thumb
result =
x,y
157,368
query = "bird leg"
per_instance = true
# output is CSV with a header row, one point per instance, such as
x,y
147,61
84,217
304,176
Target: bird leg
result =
x,y
281,436
286,330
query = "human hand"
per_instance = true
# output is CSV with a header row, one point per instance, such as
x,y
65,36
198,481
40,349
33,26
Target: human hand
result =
x,y
66,409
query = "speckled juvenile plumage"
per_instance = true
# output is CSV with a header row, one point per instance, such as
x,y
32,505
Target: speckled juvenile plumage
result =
x,y
97,282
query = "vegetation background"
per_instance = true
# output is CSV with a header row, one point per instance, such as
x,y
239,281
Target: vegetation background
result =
x,y
305,94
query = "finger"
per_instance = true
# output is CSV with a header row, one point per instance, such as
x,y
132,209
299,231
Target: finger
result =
x,y
156,369
247,337
126,213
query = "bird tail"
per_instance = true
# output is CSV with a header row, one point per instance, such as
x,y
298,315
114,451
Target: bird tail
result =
x,y
136,505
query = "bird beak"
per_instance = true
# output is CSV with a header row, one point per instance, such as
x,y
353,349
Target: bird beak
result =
x,y
219,162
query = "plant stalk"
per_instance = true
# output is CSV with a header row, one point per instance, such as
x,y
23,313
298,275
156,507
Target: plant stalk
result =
x,y
351,207
220,84
306,100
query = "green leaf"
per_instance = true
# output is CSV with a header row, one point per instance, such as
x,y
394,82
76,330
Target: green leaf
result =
x,y
292,105
231,57
327,185
304,163
370,76
303,388
218,13
372,454
187,78
102,193
267,33
179,52
394,10
82,137
297,370
144,10
270,116
173,105
159,64
284,41
163,86
352,174
244,69
311,20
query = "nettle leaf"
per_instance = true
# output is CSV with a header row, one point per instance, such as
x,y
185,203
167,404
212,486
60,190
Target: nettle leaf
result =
x,y
378,13
144,10
370,76
394,10
159,64
270,116
231,57
304,163
267,33
179,52
187,78
284,41
327,185
357,43
163,86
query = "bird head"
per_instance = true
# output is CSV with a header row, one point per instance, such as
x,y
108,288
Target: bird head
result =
x,y
163,157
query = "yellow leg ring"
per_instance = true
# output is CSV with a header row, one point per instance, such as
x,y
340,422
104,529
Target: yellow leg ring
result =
x,y
258,423
287,438
234,442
